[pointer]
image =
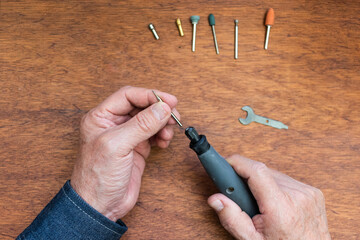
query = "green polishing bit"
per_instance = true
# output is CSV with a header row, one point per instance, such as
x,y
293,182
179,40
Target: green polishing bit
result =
x,y
212,24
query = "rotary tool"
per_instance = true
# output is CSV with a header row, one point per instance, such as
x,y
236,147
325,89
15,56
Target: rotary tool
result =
x,y
224,176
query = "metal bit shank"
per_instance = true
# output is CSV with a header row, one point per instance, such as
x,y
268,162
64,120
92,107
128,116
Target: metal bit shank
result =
x,y
236,38
267,36
152,28
215,41
172,114
193,37
194,20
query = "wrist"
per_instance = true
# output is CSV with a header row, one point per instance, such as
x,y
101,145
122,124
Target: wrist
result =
x,y
91,200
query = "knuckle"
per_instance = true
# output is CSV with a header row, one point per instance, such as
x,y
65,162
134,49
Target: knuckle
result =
x,y
104,142
318,195
124,88
143,122
260,168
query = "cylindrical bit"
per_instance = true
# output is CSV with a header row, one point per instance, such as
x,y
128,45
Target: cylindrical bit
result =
x,y
152,28
212,20
178,23
236,38
212,24
269,21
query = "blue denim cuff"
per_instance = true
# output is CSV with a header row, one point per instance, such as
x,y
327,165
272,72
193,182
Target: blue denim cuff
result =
x,y
68,216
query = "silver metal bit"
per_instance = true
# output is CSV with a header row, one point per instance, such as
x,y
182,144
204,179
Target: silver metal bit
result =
x,y
268,27
252,117
172,114
193,38
194,20
152,28
215,41
236,38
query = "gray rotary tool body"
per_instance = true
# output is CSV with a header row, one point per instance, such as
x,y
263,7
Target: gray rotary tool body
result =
x,y
224,176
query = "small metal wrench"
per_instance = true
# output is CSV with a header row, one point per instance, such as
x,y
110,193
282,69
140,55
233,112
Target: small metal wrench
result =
x,y
252,117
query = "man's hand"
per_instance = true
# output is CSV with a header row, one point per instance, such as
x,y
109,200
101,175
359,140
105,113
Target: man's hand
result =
x,y
116,138
288,209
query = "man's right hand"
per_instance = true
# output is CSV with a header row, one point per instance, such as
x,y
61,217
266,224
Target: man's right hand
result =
x,y
288,209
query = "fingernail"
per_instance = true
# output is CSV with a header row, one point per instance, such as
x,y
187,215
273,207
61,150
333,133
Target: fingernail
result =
x,y
217,205
160,110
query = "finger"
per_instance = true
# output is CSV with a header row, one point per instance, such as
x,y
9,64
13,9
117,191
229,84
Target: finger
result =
x,y
260,180
166,133
288,184
135,111
127,98
171,120
162,143
142,126
143,149
233,219
152,141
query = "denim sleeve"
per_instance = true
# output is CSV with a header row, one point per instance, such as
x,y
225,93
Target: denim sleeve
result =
x,y
68,216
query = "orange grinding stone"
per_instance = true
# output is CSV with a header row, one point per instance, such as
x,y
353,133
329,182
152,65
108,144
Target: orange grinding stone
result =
x,y
270,17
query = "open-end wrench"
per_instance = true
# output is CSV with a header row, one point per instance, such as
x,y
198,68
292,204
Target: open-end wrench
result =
x,y
252,117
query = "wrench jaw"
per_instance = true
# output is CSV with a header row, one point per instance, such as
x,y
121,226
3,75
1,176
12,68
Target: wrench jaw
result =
x,y
244,121
250,115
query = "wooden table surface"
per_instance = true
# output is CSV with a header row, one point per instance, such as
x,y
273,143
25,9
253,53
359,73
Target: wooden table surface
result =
x,y
59,59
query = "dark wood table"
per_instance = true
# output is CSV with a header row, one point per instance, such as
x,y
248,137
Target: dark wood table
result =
x,y
58,59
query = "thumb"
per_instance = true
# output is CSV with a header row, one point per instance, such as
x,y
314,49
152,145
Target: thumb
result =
x,y
233,219
145,124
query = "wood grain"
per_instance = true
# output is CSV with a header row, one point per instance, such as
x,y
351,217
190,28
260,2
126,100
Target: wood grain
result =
x,y
58,59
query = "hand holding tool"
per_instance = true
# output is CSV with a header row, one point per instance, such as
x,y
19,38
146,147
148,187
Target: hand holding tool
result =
x,y
252,117
172,114
224,176
152,28
212,24
269,21
194,20
178,23
236,38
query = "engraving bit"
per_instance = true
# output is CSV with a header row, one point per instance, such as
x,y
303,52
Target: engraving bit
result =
x,y
172,114
178,23
152,28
